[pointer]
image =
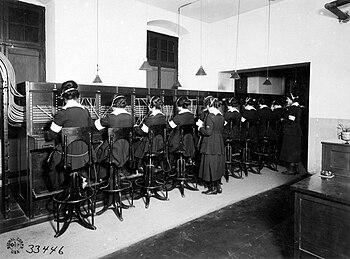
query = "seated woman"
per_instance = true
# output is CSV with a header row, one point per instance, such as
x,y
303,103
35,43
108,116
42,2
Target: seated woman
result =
x,y
232,129
72,114
118,118
183,117
154,117
249,123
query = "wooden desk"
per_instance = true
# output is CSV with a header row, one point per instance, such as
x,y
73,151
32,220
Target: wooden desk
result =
x,y
336,157
322,217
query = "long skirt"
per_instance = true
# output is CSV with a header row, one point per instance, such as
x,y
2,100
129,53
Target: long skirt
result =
x,y
212,167
291,149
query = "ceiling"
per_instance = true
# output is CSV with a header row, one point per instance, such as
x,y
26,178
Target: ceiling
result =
x,y
212,10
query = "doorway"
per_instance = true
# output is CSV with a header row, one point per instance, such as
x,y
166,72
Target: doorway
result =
x,y
291,78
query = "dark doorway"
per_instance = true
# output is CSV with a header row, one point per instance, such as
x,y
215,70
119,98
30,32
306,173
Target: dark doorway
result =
x,y
296,78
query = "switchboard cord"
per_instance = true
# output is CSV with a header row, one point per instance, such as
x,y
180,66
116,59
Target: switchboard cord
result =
x,y
16,113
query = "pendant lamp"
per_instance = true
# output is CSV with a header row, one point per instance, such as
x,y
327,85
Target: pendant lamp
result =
x,y
97,79
201,71
234,74
177,84
145,65
267,81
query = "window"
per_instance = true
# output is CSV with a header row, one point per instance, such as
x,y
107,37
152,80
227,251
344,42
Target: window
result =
x,y
24,24
162,49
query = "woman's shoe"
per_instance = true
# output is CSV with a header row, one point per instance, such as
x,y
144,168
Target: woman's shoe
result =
x,y
206,191
219,189
212,192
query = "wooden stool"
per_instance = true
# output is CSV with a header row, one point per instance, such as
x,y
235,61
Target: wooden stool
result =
x,y
116,186
75,202
150,184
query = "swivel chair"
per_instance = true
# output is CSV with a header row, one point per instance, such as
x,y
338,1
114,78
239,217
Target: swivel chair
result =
x,y
120,152
152,184
247,161
76,202
184,176
267,154
233,161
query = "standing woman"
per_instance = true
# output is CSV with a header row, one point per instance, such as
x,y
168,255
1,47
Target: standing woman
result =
x,y
291,145
212,165
183,117
72,114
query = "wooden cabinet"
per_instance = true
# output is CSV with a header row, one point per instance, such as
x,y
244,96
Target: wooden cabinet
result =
x,y
322,217
336,157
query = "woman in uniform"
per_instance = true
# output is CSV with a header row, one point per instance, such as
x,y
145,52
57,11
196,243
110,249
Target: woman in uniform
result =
x,y
276,125
118,118
232,128
291,145
72,114
249,123
154,117
212,165
183,117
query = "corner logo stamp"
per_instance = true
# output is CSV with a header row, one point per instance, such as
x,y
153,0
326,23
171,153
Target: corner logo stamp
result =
x,y
15,245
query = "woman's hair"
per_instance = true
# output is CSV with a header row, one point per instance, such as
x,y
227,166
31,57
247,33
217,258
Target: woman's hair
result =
x,y
293,97
250,101
183,102
69,90
119,101
211,101
156,102
233,102
263,101
278,101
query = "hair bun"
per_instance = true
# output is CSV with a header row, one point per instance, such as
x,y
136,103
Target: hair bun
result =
x,y
68,88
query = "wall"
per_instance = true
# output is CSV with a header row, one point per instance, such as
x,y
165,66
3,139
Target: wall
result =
x,y
298,34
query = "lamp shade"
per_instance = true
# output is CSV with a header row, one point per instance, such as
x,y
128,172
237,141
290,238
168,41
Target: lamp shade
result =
x,y
176,85
145,66
97,80
201,72
235,75
267,82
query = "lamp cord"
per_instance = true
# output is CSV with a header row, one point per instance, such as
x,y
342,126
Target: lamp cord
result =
x,y
237,31
268,40
201,31
97,34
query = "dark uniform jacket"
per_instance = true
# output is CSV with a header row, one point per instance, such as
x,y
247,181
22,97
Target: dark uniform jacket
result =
x,y
291,145
213,143
249,124
276,125
232,127
212,165
184,117
292,119
119,118
73,114
264,116
155,118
